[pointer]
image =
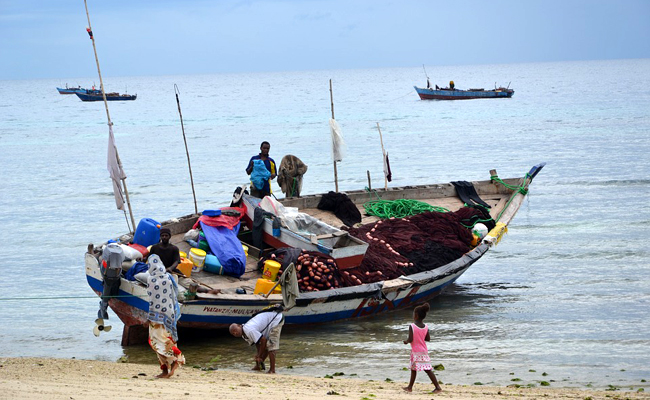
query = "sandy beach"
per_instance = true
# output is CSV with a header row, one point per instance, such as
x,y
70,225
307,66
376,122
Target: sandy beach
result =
x,y
44,378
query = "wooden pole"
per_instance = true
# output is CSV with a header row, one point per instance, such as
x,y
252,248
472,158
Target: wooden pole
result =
x,y
108,115
336,176
189,165
369,184
383,152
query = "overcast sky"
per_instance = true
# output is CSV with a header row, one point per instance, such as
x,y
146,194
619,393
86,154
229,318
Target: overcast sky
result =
x,y
47,38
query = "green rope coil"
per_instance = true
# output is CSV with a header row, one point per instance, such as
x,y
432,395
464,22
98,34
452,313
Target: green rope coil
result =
x,y
399,208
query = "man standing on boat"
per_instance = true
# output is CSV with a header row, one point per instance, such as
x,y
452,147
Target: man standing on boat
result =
x,y
260,182
263,331
168,253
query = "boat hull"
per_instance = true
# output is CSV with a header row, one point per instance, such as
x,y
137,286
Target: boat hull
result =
x,y
131,305
99,97
442,94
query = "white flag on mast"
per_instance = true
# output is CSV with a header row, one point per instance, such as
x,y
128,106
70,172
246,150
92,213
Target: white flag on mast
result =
x,y
338,145
115,170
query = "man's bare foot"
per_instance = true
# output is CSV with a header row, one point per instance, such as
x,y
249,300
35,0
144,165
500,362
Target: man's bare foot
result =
x,y
408,389
259,366
271,371
437,390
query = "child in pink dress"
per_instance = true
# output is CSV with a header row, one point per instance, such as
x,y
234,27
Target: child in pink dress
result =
x,y
418,335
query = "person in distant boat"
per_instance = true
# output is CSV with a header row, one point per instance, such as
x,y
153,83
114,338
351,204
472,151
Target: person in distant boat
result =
x,y
168,253
262,170
437,88
164,312
263,331
451,85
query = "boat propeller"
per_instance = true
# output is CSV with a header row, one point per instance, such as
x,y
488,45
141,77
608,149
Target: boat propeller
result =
x,y
100,327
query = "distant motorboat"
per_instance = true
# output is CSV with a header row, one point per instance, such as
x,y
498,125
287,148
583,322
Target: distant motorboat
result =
x,y
452,93
78,89
109,96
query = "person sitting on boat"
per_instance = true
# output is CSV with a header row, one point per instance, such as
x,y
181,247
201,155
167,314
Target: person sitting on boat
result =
x,y
262,187
263,331
451,85
168,253
437,87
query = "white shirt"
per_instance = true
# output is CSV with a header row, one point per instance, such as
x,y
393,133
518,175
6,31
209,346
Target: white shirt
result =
x,y
260,325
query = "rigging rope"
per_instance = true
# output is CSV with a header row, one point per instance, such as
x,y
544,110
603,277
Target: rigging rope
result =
x,y
516,188
69,297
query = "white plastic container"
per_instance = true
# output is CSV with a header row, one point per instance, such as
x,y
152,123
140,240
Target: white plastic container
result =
x,y
197,256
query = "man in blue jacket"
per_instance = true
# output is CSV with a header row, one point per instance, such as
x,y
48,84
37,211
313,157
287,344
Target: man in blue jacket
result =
x,y
260,179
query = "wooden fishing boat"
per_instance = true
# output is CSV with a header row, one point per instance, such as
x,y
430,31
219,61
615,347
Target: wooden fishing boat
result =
x,y
78,89
457,94
109,96
217,311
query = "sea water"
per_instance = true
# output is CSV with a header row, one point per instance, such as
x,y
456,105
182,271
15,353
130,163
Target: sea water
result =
x,y
563,298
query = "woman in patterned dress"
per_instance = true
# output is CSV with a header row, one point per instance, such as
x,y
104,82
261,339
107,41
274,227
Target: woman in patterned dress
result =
x,y
164,312
418,335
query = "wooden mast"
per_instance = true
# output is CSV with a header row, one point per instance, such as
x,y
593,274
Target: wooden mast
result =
x,y
336,177
383,152
108,115
189,165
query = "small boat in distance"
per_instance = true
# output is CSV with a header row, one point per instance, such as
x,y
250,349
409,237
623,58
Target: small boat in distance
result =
x,y
109,96
78,89
451,93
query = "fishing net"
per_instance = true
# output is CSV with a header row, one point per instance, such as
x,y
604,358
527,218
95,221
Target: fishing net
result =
x,y
404,246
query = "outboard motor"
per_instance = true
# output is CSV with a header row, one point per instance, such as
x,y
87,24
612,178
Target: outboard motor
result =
x,y
111,268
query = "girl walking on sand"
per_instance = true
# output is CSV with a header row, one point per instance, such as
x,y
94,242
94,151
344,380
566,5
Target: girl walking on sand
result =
x,y
418,335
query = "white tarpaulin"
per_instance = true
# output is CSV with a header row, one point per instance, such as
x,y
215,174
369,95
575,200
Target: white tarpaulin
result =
x,y
115,170
338,145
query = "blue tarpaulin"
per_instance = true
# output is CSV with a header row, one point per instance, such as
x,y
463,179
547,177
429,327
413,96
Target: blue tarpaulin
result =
x,y
227,247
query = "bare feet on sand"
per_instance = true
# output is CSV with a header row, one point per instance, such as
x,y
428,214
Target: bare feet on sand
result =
x,y
174,368
437,391
163,374
407,389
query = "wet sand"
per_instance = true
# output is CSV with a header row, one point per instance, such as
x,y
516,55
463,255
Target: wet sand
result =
x,y
44,378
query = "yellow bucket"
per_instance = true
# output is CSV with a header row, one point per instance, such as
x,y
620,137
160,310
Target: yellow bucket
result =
x,y
183,254
264,285
270,270
197,256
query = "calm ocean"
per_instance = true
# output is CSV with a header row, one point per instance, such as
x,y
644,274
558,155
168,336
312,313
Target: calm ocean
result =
x,y
564,298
